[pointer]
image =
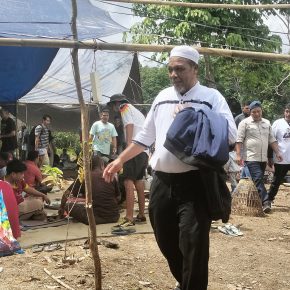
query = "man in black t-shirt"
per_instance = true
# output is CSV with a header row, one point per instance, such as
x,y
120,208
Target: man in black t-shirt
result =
x,y
8,132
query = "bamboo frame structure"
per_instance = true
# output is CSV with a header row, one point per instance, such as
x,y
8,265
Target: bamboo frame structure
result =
x,y
91,44
205,5
86,156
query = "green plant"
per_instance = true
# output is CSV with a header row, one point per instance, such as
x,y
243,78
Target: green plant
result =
x,y
68,140
54,176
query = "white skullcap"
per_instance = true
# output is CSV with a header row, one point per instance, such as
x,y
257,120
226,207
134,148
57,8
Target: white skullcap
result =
x,y
186,52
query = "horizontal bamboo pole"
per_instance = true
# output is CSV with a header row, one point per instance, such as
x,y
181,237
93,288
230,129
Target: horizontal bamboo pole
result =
x,y
205,5
91,44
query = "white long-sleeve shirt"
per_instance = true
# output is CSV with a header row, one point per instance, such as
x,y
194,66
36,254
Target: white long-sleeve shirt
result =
x,y
161,116
281,131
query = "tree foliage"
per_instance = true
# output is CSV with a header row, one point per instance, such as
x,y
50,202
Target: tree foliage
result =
x,y
153,80
237,79
224,28
67,140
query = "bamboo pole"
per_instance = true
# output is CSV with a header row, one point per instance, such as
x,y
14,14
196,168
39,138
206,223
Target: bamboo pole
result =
x,y
205,5
90,44
86,156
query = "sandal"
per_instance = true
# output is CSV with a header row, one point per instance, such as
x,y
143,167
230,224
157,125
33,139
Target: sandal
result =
x,y
232,230
52,247
124,223
37,248
139,219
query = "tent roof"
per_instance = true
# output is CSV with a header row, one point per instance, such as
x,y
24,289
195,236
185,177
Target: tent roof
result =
x,y
23,67
58,87
56,95
51,19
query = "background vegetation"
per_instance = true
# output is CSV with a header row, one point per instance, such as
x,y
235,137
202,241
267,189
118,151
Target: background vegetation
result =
x,y
68,140
237,79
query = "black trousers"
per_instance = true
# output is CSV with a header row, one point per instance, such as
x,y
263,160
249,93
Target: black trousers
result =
x,y
181,225
279,174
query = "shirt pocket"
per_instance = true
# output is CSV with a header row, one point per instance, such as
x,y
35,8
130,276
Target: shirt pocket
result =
x,y
253,130
264,128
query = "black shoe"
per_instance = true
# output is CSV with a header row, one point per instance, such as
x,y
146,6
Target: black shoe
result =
x,y
267,207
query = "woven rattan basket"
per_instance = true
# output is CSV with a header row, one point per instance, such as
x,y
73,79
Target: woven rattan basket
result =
x,y
246,200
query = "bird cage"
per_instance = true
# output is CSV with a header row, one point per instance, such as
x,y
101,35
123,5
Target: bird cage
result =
x,y
246,200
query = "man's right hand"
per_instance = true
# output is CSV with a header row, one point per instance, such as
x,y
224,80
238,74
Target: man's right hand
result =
x,y
270,162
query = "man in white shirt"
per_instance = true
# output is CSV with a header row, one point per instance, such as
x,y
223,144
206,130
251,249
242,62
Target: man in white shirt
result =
x,y
281,131
134,169
178,210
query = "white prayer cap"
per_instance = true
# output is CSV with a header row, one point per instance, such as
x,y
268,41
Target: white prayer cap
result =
x,y
186,52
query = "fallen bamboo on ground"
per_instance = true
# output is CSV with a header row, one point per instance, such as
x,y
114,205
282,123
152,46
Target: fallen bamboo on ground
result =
x,y
57,280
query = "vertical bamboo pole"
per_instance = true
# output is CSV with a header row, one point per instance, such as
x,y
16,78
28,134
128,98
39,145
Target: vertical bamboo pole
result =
x,y
86,160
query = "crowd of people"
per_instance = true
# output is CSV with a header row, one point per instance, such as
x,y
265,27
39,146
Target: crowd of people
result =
x,y
21,179
180,209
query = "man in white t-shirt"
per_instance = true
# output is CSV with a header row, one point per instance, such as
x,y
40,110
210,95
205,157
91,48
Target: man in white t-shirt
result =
x,y
103,134
134,169
281,131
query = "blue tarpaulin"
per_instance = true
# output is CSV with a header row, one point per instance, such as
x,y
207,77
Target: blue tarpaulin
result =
x,y
21,68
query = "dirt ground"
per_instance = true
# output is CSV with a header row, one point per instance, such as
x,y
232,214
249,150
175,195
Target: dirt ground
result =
x,y
257,260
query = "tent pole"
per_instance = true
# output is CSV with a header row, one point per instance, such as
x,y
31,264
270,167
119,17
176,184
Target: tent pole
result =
x,y
91,44
205,5
86,156
16,132
26,122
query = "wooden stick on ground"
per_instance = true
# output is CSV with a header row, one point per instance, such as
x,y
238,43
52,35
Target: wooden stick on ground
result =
x,y
57,280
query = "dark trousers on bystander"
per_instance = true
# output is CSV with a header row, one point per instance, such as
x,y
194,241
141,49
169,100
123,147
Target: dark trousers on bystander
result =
x,y
181,225
279,174
257,171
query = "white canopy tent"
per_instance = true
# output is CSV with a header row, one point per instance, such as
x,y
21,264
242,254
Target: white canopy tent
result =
x,y
53,87
56,95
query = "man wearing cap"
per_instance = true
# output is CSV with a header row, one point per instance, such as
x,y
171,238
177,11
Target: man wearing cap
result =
x,y
281,131
134,169
177,209
254,136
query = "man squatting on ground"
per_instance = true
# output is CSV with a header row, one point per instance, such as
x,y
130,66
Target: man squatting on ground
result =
x,y
177,208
